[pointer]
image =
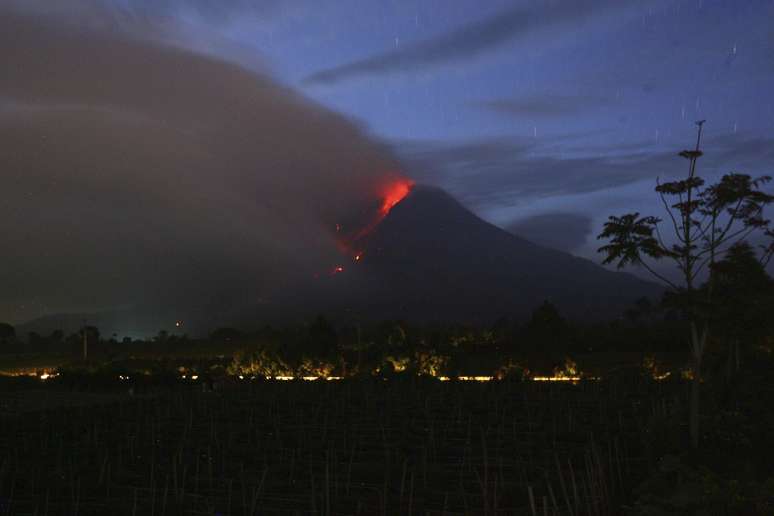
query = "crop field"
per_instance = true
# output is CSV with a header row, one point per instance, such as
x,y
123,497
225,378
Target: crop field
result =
x,y
358,446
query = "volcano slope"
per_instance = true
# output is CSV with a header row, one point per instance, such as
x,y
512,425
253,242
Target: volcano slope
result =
x,y
428,260
431,259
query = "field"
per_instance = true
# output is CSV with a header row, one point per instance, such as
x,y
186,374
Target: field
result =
x,y
361,446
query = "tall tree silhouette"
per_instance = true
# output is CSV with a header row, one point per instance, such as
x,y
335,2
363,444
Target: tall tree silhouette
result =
x,y
743,301
7,332
706,222
547,329
322,338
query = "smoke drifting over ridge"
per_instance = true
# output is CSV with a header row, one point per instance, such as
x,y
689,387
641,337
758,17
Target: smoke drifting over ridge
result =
x,y
135,172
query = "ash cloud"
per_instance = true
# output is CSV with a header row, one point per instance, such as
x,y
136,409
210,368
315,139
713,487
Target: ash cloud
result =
x,y
469,40
563,231
519,170
221,11
136,173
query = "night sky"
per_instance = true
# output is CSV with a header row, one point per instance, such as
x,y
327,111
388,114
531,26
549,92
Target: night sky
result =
x,y
131,132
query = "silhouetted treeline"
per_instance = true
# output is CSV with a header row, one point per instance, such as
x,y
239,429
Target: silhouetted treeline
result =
x,y
744,300
543,343
642,329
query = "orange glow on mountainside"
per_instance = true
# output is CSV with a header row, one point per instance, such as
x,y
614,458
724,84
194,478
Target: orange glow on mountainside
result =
x,y
350,242
393,194
390,196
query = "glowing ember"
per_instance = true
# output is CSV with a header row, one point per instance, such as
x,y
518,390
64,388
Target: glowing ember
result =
x,y
337,270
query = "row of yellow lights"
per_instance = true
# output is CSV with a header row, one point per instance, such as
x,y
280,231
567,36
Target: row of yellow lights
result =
x,y
50,375
440,378
194,377
46,376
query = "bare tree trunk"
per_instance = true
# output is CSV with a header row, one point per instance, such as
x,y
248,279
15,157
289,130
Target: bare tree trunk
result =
x,y
733,359
695,402
698,340
737,355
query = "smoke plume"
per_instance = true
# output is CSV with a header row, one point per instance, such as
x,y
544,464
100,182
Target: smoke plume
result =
x,y
137,173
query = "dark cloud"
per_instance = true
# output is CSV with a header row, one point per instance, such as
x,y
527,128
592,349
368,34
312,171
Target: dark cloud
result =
x,y
543,105
562,231
468,41
135,172
220,11
502,172
214,12
194,25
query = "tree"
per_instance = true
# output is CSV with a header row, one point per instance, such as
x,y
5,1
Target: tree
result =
x,y
322,338
7,332
706,222
225,335
56,337
642,311
88,334
743,301
35,341
547,329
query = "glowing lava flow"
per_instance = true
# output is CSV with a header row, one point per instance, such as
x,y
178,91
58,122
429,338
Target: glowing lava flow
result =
x,y
395,193
391,195
350,242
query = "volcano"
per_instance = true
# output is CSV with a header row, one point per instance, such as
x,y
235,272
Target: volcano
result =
x,y
431,259
423,258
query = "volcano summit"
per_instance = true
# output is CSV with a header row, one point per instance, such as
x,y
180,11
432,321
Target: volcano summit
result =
x,y
432,259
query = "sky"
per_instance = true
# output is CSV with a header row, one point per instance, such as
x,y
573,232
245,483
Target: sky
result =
x,y
543,117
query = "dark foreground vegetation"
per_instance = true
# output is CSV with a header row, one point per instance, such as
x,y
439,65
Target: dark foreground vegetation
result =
x,y
665,411
173,425
90,441
408,445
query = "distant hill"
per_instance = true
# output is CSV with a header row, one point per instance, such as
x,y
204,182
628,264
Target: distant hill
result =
x,y
132,323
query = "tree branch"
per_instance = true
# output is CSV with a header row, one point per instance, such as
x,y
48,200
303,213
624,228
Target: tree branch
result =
x,y
669,211
657,275
667,252
731,220
747,230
